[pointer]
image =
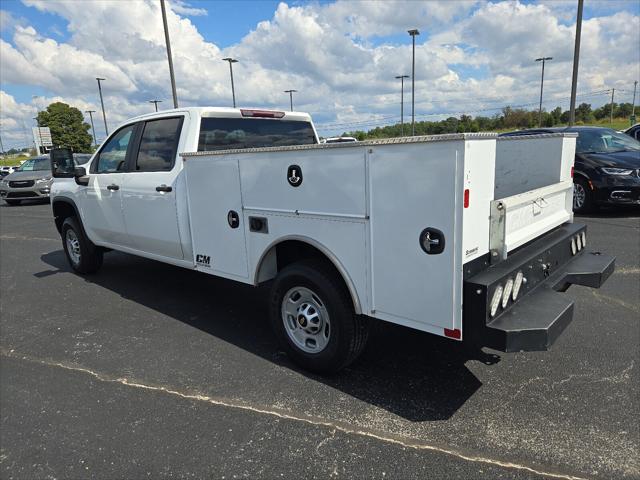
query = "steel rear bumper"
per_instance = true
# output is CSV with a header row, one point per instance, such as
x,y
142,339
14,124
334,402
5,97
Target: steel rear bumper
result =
x,y
540,314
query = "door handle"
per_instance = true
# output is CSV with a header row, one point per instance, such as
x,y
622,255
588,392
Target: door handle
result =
x,y
163,188
113,187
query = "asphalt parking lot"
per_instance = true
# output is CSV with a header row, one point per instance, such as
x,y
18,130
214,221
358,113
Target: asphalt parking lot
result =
x,y
149,370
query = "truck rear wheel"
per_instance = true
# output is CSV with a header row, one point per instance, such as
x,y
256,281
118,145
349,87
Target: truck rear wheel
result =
x,y
312,315
82,254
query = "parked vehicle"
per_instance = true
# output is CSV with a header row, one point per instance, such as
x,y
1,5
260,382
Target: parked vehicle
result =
x,y
32,180
340,140
634,131
455,235
6,170
607,166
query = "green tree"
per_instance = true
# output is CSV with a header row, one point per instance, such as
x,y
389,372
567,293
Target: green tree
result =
x,y
68,128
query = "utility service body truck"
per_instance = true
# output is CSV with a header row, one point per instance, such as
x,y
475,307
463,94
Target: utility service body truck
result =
x,y
466,236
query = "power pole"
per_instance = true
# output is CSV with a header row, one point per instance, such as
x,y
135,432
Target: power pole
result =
x,y
413,32
576,61
402,77
1,147
633,105
543,60
93,129
290,92
155,102
613,91
104,115
168,42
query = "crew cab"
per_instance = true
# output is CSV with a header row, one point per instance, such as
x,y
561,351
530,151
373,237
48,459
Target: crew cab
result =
x,y
464,236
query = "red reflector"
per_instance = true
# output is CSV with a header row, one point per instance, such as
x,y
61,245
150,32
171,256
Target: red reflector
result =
x,y
455,333
466,198
262,113
571,172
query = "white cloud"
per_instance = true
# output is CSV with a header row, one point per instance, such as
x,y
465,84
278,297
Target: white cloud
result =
x,y
470,56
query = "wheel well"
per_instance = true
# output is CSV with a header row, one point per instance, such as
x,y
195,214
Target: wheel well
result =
x,y
290,251
61,211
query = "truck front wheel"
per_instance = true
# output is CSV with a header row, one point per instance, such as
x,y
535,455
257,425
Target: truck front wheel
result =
x,y
312,315
82,254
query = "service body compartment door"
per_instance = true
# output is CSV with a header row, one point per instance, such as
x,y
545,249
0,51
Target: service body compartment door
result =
x,y
215,215
414,188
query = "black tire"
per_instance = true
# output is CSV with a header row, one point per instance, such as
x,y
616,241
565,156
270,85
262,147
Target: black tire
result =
x,y
583,196
90,256
348,332
13,203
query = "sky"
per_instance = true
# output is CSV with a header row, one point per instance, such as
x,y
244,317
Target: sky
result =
x,y
472,57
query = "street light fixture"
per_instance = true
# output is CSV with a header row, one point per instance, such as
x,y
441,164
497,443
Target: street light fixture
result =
x,y
291,92
155,102
402,77
543,60
233,90
93,129
104,115
413,32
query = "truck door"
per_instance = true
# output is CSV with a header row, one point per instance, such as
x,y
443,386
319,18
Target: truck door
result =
x,y
149,188
101,199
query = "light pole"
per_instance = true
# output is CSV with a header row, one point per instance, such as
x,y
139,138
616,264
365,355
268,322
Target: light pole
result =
x,y
169,56
613,91
155,102
104,115
93,129
633,105
233,89
576,60
413,32
402,77
543,60
290,92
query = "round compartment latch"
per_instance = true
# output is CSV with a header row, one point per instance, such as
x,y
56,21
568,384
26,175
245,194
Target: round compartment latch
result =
x,y
233,219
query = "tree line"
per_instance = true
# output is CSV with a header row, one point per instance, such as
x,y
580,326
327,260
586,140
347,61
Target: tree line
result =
x,y
508,118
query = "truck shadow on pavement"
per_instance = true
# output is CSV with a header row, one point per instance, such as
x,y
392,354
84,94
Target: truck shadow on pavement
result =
x,y
415,375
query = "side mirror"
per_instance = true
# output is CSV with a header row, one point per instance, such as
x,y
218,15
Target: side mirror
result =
x,y
62,165
80,174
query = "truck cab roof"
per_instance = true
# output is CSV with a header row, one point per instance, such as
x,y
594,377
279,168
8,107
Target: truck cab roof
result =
x,y
225,112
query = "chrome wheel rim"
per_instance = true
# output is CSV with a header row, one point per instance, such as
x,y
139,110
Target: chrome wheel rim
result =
x,y
73,246
579,196
306,320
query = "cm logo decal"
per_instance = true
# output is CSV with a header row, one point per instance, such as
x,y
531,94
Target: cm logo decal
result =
x,y
204,260
294,175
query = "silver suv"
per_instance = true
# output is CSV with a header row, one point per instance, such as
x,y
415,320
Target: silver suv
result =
x,y
31,181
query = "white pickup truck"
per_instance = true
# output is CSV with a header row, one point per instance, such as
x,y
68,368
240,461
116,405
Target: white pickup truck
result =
x,y
466,236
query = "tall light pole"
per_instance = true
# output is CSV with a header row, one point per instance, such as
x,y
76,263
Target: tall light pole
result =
x,y
168,43
233,89
290,92
104,115
155,102
613,91
576,61
93,129
633,105
402,77
413,32
543,60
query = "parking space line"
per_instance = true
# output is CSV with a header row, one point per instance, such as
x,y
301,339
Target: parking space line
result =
x,y
403,442
22,237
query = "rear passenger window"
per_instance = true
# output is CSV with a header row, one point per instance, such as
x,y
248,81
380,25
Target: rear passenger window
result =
x,y
158,145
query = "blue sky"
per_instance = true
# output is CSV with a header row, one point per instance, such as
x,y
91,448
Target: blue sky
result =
x,y
341,56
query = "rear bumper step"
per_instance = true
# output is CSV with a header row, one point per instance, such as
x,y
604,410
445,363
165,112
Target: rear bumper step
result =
x,y
540,314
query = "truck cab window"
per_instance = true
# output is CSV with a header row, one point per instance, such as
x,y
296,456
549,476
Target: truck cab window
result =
x,y
159,145
113,155
234,133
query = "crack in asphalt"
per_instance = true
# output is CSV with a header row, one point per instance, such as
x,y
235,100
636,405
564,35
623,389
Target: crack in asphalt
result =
x,y
408,443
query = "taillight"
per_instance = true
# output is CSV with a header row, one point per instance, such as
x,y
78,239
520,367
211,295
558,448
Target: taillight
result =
x,y
571,172
466,198
261,113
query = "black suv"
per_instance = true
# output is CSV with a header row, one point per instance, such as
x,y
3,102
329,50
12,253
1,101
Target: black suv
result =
x,y
606,169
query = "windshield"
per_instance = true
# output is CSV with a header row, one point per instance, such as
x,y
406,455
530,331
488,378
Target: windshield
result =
x,y
604,140
233,133
35,164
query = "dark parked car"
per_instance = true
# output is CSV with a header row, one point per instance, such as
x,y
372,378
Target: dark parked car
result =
x,y
607,166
